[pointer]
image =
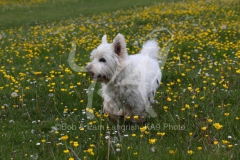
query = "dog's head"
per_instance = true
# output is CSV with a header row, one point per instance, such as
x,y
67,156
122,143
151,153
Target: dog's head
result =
x,y
106,57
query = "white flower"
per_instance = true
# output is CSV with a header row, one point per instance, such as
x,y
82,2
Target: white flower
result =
x,y
153,149
14,94
200,71
224,27
196,50
118,150
54,128
32,131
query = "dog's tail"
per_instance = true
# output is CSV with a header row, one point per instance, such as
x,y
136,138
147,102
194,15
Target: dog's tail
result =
x,y
150,48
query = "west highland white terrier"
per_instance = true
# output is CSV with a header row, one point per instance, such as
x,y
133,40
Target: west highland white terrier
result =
x,y
129,82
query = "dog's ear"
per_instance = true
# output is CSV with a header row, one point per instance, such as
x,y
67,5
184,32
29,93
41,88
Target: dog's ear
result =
x,y
104,39
119,46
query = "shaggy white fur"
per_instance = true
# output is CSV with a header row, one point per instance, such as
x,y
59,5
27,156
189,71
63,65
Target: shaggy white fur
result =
x,y
129,82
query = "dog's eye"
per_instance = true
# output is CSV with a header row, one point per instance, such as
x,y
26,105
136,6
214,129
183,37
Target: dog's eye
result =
x,y
102,60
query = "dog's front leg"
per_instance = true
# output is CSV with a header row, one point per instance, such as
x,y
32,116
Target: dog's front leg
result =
x,y
112,111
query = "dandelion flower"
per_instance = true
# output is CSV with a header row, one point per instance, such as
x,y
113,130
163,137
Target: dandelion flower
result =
x,y
190,151
203,128
152,141
209,120
226,114
171,152
215,142
230,146
143,129
135,117
218,126
65,137
161,134
224,141
66,151
14,94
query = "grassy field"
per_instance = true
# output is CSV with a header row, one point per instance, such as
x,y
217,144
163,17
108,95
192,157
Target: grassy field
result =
x,y
43,102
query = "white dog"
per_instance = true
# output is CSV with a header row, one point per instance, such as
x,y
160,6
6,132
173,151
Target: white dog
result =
x,y
129,82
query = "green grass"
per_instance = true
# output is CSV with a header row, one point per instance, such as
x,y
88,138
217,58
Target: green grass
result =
x,y
200,85
13,15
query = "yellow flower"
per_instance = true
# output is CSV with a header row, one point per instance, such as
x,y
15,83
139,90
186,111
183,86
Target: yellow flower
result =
x,y
169,99
203,128
230,146
135,117
90,151
70,158
143,129
183,109
133,135
238,71
237,118
152,141
161,134
199,148
92,145
209,120
66,151
171,152
218,126
215,142
75,144
65,137
187,106
195,105
226,114
190,151
105,115
43,140
37,73
224,141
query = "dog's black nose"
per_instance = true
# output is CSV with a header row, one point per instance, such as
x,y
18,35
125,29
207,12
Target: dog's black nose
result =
x,y
88,68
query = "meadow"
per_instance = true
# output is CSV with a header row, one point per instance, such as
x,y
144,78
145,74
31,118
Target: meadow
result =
x,y
44,104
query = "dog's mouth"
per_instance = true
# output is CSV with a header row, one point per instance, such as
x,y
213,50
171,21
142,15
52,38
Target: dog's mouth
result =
x,y
98,77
